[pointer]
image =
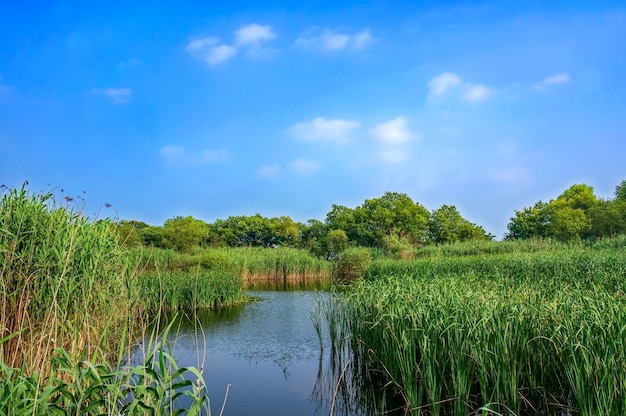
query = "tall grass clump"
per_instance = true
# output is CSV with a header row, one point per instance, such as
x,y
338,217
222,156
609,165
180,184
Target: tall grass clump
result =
x,y
521,333
189,291
255,265
352,263
64,281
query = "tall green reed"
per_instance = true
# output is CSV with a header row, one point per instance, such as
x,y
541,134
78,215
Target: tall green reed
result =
x,y
516,333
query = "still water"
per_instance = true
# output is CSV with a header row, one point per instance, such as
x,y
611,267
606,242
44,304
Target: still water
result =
x,y
268,355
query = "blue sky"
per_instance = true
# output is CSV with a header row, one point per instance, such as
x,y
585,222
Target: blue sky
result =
x,y
214,109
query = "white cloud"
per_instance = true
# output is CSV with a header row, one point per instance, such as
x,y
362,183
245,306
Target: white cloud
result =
x,y
562,78
269,171
557,79
442,83
253,34
210,50
179,155
304,166
476,92
331,41
393,131
321,129
115,95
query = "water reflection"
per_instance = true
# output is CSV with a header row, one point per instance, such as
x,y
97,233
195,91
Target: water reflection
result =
x,y
274,358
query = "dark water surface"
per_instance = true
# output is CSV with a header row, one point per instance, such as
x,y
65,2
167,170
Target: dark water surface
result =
x,y
269,353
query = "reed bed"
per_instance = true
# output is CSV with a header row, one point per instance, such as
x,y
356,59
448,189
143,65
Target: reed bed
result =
x,y
64,281
256,265
521,333
190,291
67,293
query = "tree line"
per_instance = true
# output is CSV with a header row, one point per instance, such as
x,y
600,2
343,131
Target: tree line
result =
x,y
391,222
576,214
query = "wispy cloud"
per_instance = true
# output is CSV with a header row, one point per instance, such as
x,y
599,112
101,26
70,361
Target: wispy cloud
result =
x,y
210,51
442,83
333,41
269,171
394,131
180,156
562,78
250,38
304,166
115,95
253,34
476,92
471,93
321,129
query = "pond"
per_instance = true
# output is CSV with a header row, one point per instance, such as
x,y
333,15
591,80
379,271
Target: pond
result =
x,y
265,357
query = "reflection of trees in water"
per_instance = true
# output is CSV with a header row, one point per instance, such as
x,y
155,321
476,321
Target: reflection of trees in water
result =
x,y
347,383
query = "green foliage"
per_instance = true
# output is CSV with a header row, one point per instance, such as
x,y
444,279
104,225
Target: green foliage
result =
x,y
130,232
184,233
573,215
64,280
189,291
567,223
353,262
620,191
446,225
336,242
519,333
79,387
392,213
530,222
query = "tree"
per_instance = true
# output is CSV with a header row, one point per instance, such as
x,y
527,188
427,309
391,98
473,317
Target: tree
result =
x,y
336,242
530,222
567,223
608,218
393,213
620,191
130,232
446,225
183,233
578,196
153,236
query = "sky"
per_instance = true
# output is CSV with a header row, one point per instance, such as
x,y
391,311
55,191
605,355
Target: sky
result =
x,y
213,109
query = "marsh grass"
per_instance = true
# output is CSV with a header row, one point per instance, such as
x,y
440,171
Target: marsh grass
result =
x,y
538,332
255,265
64,281
68,297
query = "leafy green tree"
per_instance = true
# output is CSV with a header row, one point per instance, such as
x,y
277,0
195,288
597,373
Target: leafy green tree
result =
x,y
314,237
530,222
446,225
130,232
183,233
286,231
153,236
578,196
567,223
608,218
393,213
620,191
336,242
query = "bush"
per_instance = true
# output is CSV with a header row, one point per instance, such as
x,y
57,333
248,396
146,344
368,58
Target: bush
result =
x,y
353,262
